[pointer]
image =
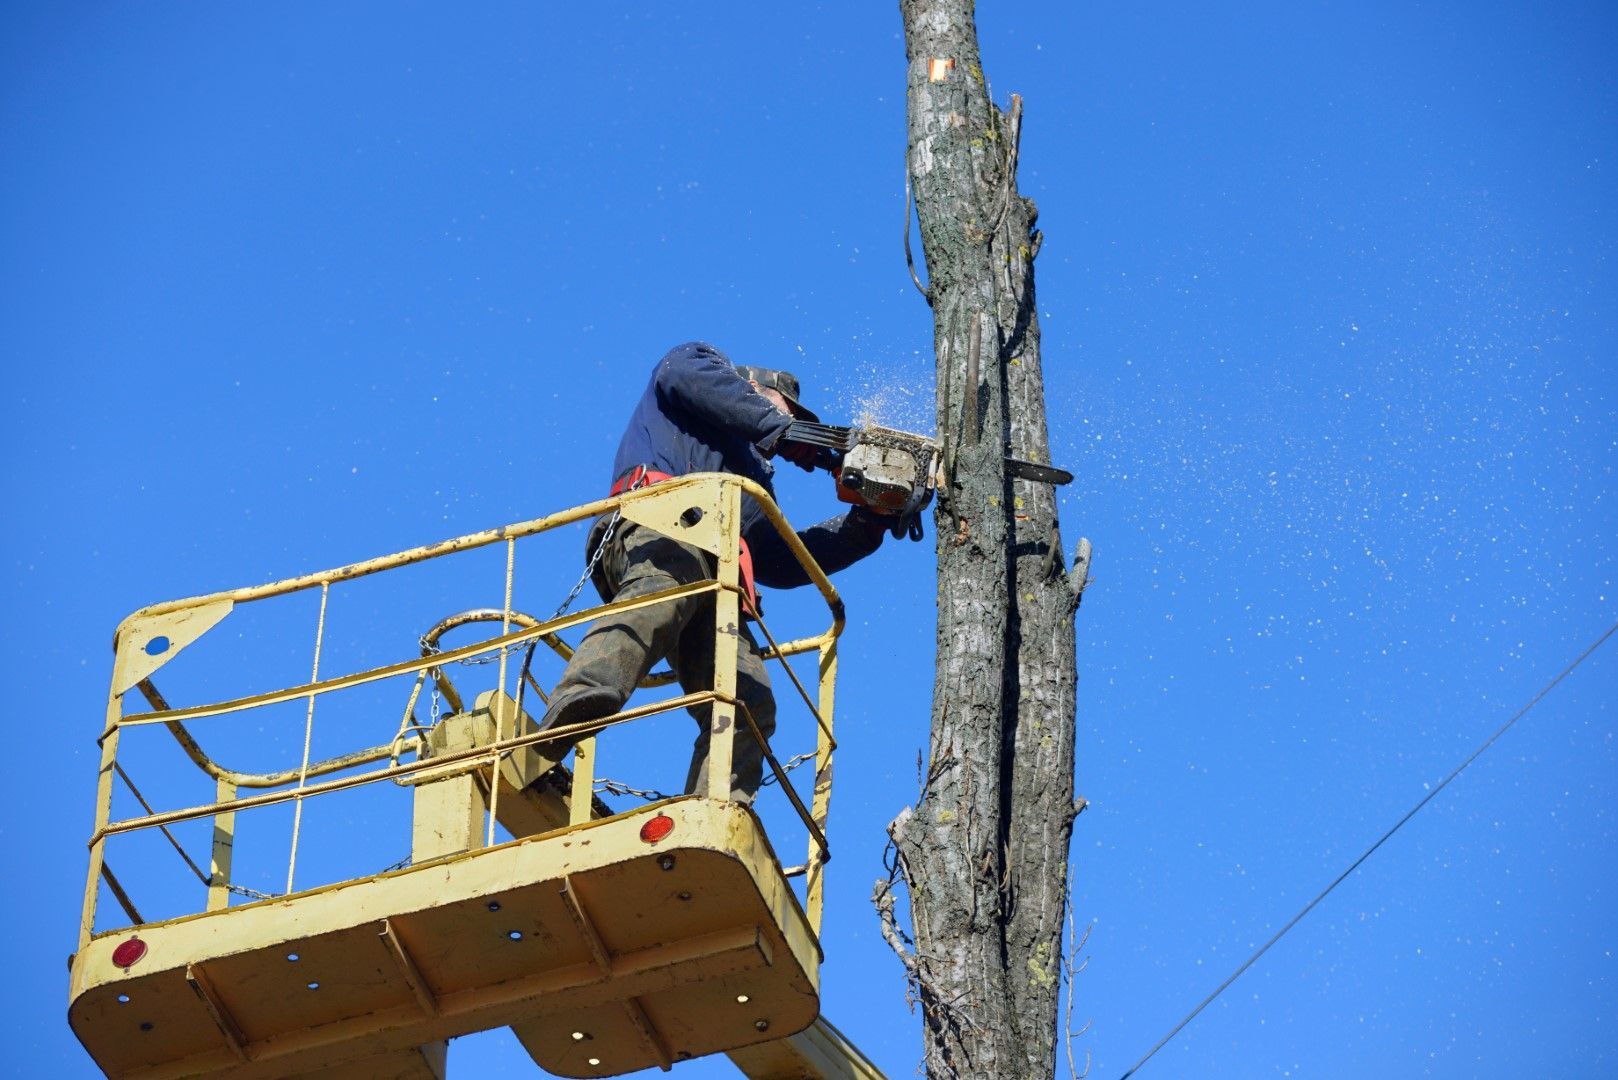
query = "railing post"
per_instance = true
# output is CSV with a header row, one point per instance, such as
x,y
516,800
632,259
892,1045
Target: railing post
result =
x,y
224,848
727,630
447,818
820,807
98,848
447,809
503,731
582,801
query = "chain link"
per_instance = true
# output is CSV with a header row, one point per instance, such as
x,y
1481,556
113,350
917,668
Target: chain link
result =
x,y
618,787
572,595
603,786
791,763
477,661
252,894
589,567
614,787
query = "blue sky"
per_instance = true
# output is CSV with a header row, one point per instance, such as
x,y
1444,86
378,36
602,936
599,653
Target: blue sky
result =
x,y
1330,318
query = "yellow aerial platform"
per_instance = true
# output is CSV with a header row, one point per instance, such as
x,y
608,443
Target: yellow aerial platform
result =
x,y
607,941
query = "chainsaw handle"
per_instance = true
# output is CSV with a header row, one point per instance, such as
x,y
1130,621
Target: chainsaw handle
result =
x,y
808,456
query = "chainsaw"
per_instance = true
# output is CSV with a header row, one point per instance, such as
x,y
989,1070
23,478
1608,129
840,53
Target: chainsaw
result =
x,y
891,472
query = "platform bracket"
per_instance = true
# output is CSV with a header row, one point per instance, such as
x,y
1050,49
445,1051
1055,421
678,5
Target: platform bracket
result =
x,y
216,1008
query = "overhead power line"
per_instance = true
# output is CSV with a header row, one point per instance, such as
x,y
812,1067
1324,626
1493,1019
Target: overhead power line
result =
x,y
1355,865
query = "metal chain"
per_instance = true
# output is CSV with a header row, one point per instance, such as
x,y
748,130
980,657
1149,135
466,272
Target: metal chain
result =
x,y
475,661
430,648
618,787
252,894
572,595
791,763
589,567
614,787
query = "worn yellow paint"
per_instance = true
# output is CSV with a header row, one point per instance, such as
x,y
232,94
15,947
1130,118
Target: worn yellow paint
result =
x,y
820,810
145,644
727,621
689,513
448,806
584,777
224,846
819,1051
397,970
459,948
447,819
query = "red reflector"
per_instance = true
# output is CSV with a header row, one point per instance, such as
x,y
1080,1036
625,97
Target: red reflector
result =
x,y
656,828
128,953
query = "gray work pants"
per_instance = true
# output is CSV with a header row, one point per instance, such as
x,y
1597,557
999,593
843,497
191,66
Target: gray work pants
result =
x,y
620,649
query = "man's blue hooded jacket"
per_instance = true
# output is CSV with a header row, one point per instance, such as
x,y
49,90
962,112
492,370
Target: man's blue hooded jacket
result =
x,y
699,415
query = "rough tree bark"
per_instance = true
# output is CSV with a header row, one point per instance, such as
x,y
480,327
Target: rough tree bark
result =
x,y
983,854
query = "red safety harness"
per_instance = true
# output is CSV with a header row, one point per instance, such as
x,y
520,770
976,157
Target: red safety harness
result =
x,y
640,476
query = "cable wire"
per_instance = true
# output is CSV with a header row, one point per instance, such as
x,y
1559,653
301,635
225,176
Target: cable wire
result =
x,y
1355,865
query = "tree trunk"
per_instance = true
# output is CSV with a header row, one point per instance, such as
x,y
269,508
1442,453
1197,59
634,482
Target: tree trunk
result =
x,y
984,852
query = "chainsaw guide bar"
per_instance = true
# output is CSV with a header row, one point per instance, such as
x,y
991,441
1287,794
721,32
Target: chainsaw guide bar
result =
x,y
1039,474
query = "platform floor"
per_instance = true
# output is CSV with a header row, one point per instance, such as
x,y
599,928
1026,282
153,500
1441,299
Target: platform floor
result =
x,y
605,953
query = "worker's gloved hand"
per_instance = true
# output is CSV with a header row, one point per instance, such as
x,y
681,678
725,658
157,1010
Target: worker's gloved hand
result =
x,y
814,445
781,444
807,458
875,525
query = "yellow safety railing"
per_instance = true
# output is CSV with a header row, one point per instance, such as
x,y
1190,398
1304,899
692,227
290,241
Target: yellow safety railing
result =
x,y
703,510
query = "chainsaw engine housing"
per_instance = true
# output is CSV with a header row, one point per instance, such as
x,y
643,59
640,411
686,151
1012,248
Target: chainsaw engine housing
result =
x,y
889,471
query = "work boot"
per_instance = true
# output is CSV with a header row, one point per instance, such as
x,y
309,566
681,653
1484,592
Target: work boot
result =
x,y
579,704
574,705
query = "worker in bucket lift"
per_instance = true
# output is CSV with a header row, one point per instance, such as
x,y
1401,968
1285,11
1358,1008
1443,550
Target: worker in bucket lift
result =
x,y
700,413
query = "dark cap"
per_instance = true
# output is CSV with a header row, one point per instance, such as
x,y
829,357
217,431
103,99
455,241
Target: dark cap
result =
x,y
782,382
